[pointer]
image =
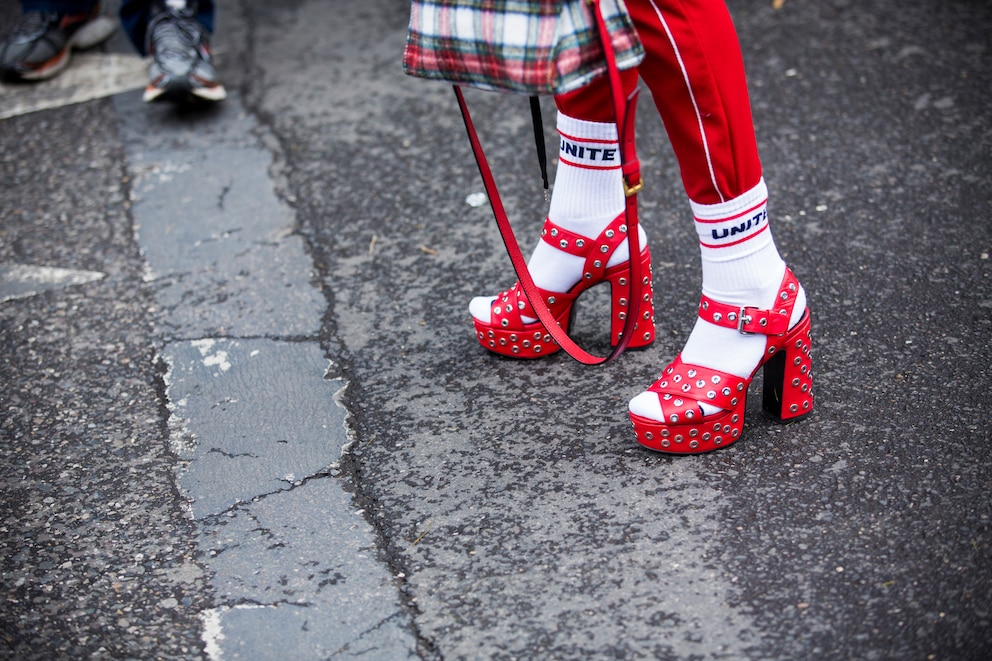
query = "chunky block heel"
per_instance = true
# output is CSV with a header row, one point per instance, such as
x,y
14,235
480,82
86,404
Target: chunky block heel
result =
x,y
788,380
644,328
506,332
788,376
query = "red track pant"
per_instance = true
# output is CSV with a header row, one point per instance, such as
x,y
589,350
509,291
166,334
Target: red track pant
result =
x,y
694,69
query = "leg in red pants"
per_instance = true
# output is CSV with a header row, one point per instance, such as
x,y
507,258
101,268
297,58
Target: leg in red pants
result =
x,y
694,70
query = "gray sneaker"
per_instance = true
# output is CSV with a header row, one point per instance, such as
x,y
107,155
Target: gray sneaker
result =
x,y
41,43
181,68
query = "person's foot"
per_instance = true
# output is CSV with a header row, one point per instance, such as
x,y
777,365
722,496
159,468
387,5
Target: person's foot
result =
x,y
696,406
507,324
41,43
181,69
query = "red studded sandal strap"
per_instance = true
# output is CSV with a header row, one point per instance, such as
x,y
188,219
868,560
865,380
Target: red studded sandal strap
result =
x,y
512,304
596,251
682,386
565,240
751,320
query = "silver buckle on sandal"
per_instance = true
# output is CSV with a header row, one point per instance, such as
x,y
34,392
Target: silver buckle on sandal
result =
x,y
744,319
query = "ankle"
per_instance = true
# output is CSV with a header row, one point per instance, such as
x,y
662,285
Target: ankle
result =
x,y
727,349
556,270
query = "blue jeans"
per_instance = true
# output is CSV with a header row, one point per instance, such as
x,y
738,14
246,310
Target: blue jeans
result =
x,y
134,14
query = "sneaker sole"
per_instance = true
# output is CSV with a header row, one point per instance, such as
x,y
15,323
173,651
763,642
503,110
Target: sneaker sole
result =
x,y
180,91
215,93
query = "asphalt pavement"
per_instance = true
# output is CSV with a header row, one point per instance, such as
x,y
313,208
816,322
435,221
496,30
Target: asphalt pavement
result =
x,y
244,414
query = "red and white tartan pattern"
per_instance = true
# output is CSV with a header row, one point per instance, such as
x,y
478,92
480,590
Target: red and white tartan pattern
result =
x,y
524,46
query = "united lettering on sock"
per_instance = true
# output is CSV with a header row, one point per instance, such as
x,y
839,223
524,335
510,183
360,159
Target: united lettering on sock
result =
x,y
591,154
718,233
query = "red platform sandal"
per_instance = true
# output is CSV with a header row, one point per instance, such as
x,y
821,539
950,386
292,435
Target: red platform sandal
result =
x,y
788,380
508,334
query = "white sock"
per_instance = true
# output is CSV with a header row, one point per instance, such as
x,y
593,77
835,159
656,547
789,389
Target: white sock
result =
x,y
741,266
587,196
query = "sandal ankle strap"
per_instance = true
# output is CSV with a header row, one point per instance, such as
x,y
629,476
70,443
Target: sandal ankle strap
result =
x,y
597,251
748,320
565,240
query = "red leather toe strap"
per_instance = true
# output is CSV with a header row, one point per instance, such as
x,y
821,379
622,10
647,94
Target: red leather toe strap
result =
x,y
682,387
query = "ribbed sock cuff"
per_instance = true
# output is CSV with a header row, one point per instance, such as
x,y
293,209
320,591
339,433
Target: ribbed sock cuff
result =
x,y
736,228
588,191
585,129
739,259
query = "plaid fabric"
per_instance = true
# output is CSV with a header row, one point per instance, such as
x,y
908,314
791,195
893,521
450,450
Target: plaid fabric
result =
x,y
524,46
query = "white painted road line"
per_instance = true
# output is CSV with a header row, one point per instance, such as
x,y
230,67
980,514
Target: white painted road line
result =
x,y
24,280
89,76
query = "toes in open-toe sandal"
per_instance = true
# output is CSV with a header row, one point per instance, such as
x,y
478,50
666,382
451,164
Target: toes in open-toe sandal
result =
x,y
788,380
508,334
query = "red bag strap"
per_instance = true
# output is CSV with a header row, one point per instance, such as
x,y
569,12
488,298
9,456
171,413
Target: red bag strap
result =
x,y
624,110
